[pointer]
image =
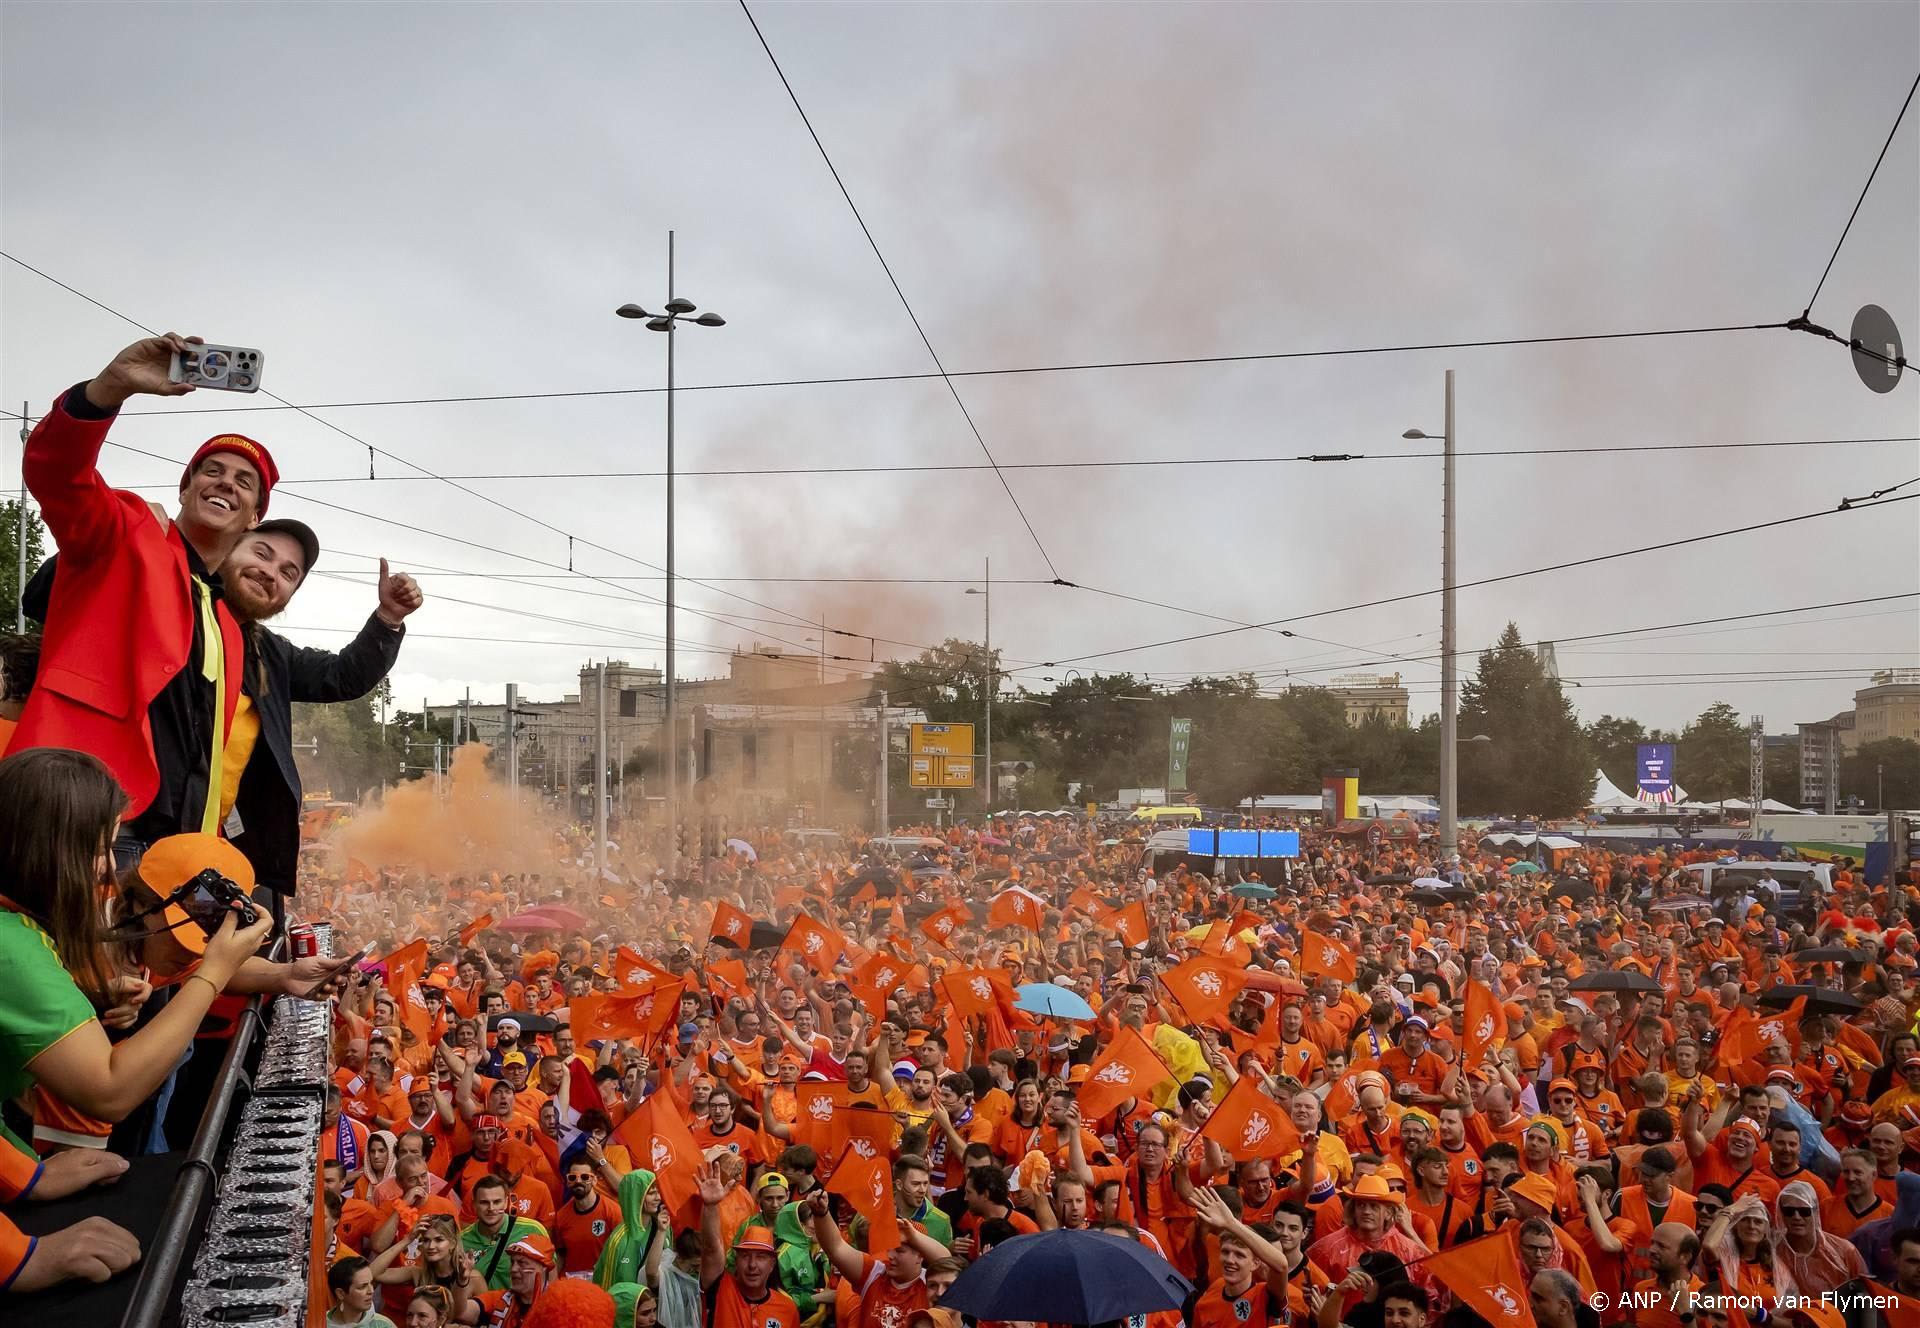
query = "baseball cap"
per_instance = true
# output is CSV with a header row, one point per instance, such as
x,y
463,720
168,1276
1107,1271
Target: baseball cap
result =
x,y
689,1031
299,532
247,450
1558,1084
514,1058
771,1180
484,1122
755,1238
535,1246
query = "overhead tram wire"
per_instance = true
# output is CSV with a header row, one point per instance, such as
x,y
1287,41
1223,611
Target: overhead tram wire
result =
x,y
1483,581
1854,215
1250,357
1116,463
894,281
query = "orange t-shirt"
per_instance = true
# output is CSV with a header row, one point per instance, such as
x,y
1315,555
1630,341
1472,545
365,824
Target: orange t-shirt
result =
x,y
578,1237
728,1308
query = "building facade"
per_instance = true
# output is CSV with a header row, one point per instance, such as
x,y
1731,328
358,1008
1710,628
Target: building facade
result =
x,y
1888,708
1369,695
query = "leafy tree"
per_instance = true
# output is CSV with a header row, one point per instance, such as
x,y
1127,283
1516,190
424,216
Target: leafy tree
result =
x,y
1711,760
1615,743
10,556
1892,764
1538,761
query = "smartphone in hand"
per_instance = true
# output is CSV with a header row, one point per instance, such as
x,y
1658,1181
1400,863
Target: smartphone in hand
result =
x,y
223,368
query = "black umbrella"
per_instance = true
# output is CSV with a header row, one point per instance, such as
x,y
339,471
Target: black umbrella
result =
x,y
1820,1000
1831,954
1576,888
885,884
1614,980
1430,898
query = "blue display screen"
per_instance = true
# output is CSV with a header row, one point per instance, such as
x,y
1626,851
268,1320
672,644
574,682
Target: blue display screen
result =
x,y
1239,843
1279,843
1200,842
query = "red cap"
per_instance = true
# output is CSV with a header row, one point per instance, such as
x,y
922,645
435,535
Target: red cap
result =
x,y
246,449
488,1123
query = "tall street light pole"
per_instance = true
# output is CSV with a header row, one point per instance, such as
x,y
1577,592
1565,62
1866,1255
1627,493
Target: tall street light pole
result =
x,y
677,310
992,681
1449,681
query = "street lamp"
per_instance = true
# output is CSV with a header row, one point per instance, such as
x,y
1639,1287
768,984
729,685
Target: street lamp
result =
x,y
992,678
678,309
1449,683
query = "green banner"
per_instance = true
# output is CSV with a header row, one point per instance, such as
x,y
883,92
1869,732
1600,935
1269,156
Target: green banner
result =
x,y
1178,741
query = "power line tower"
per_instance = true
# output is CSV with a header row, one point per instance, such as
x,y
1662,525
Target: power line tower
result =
x,y
1756,767
1543,655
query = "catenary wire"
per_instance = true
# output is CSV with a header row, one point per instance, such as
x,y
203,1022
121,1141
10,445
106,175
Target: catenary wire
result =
x,y
894,281
1851,216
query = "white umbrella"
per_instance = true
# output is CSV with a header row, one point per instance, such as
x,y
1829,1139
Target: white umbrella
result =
x,y
1430,883
744,849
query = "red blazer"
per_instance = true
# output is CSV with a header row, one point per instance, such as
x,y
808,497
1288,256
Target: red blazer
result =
x,y
120,623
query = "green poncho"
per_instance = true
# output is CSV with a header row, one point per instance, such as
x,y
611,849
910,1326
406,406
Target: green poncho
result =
x,y
626,1299
623,1258
802,1267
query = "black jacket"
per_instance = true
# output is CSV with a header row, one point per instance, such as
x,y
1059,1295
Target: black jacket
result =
x,y
268,803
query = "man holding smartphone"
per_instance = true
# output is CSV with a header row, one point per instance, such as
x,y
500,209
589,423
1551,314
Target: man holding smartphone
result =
x,y
141,657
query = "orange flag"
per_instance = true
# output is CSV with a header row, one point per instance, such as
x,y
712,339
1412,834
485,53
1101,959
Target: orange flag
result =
x,y
817,944
633,969
730,926
628,1013
728,977
1129,1067
657,1137
1016,906
1748,1034
866,1182
1485,1274
1250,1125
1322,956
883,971
942,925
1131,924
818,1106
474,928
1204,986
971,991
1485,1023
405,967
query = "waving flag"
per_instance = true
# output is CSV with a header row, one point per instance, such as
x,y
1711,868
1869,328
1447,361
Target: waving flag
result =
x,y
866,1182
1204,986
730,926
657,1137
1486,1275
1485,1023
1016,906
1249,1125
1129,1067
1131,924
1322,956
940,928
816,943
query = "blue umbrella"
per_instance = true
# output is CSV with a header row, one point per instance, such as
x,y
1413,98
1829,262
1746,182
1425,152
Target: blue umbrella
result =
x,y
1055,1002
1522,868
1077,1277
1254,890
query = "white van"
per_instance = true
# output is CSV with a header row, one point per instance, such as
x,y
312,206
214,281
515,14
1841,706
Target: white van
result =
x,y
1721,879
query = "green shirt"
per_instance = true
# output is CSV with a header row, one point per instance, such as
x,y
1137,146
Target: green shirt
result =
x,y
480,1245
43,1004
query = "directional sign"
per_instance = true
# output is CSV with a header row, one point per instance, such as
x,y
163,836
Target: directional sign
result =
x,y
957,772
928,771
941,739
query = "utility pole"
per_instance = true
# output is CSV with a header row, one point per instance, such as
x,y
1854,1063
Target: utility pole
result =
x,y
826,757
1756,768
600,777
20,530
882,800
1449,664
513,743
993,685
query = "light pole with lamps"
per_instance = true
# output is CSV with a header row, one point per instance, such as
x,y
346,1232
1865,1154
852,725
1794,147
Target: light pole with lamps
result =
x,y
677,310
992,680
1449,682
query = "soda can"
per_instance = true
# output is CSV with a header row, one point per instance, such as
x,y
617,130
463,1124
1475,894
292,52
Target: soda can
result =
x,y
304,943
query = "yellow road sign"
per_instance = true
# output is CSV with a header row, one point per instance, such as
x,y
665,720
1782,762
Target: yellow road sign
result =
x,y
923,771
956,771
941,740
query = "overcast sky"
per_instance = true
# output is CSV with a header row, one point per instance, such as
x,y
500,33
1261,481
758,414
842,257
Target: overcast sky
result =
x,y
442,200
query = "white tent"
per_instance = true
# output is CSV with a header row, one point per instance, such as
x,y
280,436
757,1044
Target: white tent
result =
x,y
1528,841
1607,797
1766,805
